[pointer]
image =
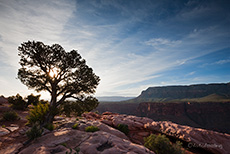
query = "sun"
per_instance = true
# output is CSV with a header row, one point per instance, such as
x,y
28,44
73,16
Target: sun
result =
x,y
53,73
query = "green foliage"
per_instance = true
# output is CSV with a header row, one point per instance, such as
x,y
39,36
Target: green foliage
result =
x,y
75,126
79,107
160,144
34,132
64,144
10,116
50,126
38,114
32,99
92,129
97,112
17,102
123,128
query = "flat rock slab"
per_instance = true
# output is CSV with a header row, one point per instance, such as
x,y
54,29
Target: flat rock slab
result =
x,y
12,149
3,131
105,143
12,127
211,141
62,140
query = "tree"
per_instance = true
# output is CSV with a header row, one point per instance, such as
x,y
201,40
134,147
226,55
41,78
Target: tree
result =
x,y
79,107
17,102
50,68
32,99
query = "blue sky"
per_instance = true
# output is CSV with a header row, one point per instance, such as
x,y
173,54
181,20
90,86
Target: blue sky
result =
x,y
130,44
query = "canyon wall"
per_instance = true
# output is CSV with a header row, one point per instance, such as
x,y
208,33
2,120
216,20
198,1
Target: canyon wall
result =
x,y
166,93
208,115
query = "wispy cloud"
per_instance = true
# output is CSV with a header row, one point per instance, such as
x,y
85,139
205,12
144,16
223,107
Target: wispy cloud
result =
x,y
129,45
28,20
191,73
124,62
31,20
224,61
161,41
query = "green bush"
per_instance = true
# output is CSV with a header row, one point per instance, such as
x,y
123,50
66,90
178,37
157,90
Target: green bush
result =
x,y
32,99
78,107
38,114
160,144
75,126
10,116
97,112
34,132
123,128
91,129
64,144
49,126
17,102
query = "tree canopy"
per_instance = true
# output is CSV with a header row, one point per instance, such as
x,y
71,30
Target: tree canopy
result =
x,y
50,68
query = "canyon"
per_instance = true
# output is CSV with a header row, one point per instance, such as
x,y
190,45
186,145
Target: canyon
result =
x,y
203,106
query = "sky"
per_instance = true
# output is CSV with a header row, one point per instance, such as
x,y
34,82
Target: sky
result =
x,y
130,44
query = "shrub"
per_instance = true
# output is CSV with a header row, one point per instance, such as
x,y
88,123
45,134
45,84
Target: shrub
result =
x,y
123,128
17,102
10,116
64,144
91,129
75,126
79,107
97,112
160,144
32,99
49,126
38,114
34,132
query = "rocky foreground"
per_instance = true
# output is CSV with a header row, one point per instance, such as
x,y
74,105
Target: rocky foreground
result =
x,y
111,141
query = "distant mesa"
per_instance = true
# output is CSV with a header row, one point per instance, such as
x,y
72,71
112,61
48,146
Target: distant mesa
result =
x,y
203,105
113,98
199,92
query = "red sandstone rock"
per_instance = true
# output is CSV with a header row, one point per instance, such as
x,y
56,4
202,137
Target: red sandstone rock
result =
x,y
109,140
88,143
210,140
103,127
12,149
105,143
4,131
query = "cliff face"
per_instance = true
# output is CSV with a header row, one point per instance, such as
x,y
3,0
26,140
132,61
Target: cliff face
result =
x,y
181,92
121,107
214,116
204,106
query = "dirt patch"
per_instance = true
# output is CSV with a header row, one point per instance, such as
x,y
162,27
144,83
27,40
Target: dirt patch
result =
x,y
15,136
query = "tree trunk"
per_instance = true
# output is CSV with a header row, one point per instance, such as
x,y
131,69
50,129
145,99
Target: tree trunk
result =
x,y
50,116
53,102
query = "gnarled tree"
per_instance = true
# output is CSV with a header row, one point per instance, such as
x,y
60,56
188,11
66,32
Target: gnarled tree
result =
x,y
50,68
